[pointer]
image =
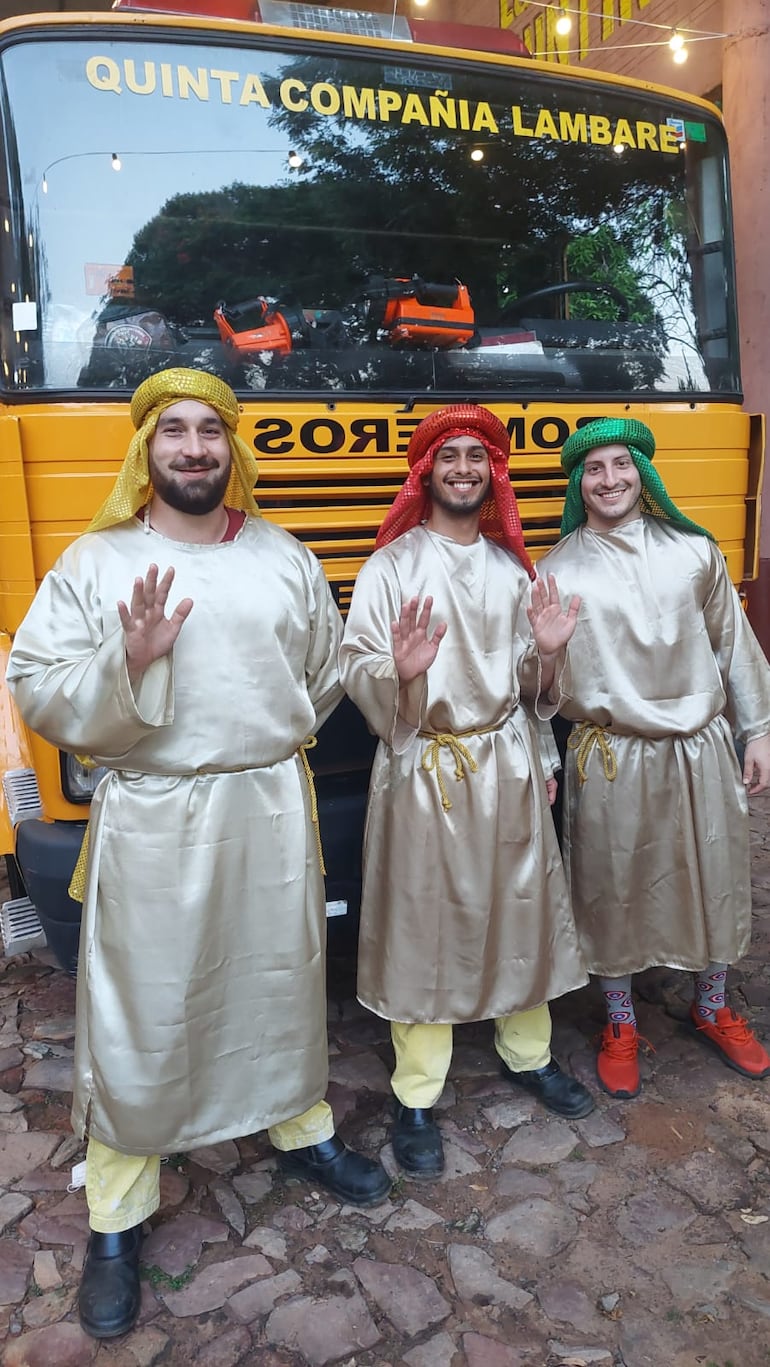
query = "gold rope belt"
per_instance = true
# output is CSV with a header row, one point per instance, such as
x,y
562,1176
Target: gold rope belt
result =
x,y
431,760
582,740
77,885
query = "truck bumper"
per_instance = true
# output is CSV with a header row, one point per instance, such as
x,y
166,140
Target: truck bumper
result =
x,y
46,853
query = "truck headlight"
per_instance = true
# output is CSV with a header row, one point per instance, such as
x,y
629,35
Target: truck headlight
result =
x,y
79,777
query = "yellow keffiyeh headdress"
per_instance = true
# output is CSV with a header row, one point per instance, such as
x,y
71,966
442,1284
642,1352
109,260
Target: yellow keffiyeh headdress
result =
x,y
133,487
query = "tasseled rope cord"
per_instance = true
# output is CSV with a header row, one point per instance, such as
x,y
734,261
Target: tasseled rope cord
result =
x,y
582,740
431,760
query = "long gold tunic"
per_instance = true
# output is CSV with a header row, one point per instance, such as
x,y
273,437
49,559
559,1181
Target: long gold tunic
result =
x,y
464,912
201,993
664,660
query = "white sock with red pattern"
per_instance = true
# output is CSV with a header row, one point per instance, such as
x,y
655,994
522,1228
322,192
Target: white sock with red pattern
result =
x,y
618,1000
710,991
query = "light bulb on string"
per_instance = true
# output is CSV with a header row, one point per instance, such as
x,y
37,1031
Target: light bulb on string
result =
x,y
563,24
676,41
680,55
477,154
116,162
295,160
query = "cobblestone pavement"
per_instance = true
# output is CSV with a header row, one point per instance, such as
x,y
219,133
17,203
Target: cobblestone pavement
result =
x,y
639,1236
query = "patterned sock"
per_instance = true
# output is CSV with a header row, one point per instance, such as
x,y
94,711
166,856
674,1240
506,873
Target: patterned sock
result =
x,y
617,996
710,991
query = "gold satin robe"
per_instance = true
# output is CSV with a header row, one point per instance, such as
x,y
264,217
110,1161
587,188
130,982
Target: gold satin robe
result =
x,y
664,659
464,914
201,981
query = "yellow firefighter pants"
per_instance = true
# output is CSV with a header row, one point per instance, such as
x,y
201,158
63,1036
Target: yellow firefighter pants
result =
x,y
424,1052
122,1190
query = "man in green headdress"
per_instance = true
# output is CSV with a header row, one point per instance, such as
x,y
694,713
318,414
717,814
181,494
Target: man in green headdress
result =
x,y
201,1012
666,672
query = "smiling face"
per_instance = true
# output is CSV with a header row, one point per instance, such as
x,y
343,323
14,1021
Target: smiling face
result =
x,y
460,479
190,458
611,488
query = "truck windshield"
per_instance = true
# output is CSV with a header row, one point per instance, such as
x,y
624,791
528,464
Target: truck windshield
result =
x,y
328,220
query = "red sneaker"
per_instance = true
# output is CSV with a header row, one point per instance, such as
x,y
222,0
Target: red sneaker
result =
x,y
731,1037
616,1063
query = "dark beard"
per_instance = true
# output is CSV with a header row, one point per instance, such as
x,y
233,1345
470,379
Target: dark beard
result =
x,y
474,504
195,499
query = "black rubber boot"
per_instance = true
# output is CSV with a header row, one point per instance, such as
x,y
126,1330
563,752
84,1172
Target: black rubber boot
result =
x,y
355,1179
109,1294
557,1090
416,1140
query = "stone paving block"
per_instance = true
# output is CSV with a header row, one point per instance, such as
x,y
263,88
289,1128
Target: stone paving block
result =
x,y
485,1352
54,1028
45,1272
58,1345
16,1123
410,1299
12,1207
536,1227
540,1145
144,1347
50,1075
360,1072
44,1179
325,1330
64,1223
580,1352
49,1308
9,1103
213,1285
219,1158
227,1350
519,1183
691,1283
20,1153
598,1130
259,1299
268,1241
508,1114
712,1180
651,1213
412,1215
476,1279
230,1207
567,1303
253,1186
437,1352
457,1163
15,1271
177,1243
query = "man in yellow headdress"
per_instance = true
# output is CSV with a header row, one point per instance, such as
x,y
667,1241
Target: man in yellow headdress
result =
x,y
201,983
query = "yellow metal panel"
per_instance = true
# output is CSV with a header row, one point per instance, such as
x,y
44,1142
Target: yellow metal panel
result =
x,y
15,751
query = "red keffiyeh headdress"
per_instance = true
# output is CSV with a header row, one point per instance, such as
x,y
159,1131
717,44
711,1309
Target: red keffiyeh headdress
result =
x,y
500,519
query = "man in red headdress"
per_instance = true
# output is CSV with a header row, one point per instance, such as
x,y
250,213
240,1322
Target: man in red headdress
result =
x,y
464,914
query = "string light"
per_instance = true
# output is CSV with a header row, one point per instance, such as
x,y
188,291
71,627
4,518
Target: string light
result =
x,y
477,154
116,162
295,160
676,41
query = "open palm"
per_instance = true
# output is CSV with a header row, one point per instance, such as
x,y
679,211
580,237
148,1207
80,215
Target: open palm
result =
x,y
552,627
413,649
149,633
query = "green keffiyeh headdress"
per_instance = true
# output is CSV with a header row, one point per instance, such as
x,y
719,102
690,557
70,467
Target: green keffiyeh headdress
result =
x,y
641,443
